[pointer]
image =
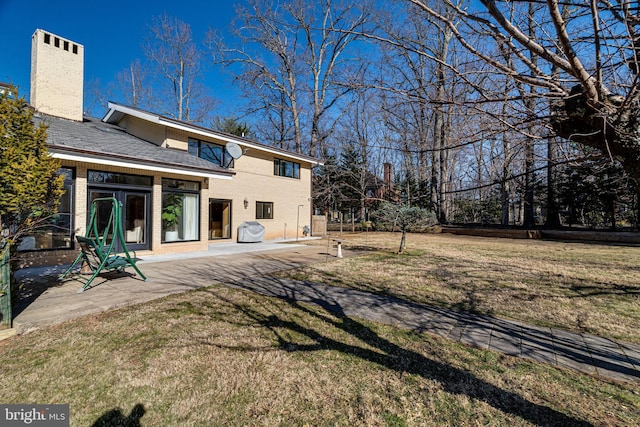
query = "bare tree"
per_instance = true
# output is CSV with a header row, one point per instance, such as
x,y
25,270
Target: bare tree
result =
x,y
419,92
177,62
95,97
134,84
596,96
293,61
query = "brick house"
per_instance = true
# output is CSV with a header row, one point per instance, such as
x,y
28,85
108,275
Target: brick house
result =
x,y
145,160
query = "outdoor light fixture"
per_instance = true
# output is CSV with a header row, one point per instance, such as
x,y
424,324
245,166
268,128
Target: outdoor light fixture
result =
x,y
246,203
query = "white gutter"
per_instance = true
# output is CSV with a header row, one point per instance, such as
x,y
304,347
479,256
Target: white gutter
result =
x,y
153,118
132,165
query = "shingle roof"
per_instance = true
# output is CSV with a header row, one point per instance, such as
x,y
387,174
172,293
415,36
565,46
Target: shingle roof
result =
x,y
96,138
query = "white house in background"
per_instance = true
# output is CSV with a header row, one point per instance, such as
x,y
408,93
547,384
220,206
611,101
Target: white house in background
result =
x,y
146,160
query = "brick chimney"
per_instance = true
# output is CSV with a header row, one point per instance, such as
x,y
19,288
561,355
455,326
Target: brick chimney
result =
x,y
57,75
388,177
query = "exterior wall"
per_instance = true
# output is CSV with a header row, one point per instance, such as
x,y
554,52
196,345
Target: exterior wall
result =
x,y
144,130
157,246
177,139
57,76
155,230
255,182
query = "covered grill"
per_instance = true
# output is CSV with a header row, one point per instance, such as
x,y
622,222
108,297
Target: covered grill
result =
x,y
250,232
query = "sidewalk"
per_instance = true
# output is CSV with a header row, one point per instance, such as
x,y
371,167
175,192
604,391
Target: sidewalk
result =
x,y
581,352
248,267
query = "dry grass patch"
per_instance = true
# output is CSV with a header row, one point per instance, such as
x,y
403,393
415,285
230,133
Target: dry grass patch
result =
x,y
576,286
220,356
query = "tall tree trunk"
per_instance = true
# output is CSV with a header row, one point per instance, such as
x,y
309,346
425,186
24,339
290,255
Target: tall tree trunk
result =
x,y
505,188
528,218
439,129
553,214
444,199
530,103
295,114
433,181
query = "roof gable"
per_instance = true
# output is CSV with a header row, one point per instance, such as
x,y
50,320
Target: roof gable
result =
x,y
117,112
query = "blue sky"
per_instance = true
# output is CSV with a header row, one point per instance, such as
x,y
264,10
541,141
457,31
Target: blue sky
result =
x,y
112,34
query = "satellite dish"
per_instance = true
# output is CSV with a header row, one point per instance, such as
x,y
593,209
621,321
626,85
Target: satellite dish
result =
x,y
234,150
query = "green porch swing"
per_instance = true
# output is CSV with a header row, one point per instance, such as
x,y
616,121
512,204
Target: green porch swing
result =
x,y
98,251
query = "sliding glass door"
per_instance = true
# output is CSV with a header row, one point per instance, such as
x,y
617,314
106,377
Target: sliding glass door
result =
x,y
135,213
134,193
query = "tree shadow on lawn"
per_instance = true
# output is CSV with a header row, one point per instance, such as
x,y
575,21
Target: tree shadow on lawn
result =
x,y
394,357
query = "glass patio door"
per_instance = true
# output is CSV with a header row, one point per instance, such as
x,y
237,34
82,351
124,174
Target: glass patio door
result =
x,y
136,207
135,213
219,219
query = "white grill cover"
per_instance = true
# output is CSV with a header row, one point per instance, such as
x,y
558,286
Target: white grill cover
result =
x,y
250,232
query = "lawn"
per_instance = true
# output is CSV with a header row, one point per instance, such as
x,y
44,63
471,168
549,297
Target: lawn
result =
x,y
581,287
222,356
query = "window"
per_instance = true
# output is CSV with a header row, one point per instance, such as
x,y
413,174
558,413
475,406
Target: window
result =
x,y
213,153
66,45
264,210
98,177
56,42
47,38
58,233
75,49
286,168
180,210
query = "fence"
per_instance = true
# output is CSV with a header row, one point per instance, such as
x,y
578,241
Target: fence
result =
x,y
5,287
319,225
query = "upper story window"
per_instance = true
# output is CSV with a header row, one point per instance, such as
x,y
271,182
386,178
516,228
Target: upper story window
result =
x,y
214,153
286,168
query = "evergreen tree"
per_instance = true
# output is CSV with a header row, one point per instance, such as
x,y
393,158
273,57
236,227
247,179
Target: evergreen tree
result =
x,y
232,126
353,179
592,192
31,186
326,187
